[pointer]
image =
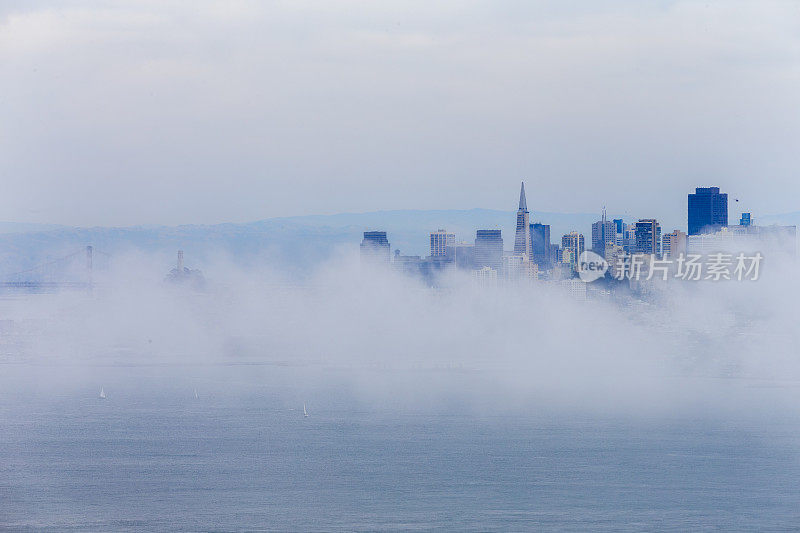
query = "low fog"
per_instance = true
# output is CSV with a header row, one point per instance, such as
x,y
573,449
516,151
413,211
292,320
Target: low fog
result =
x,y
368,335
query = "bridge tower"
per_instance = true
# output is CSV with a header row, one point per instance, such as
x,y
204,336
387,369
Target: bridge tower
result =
x,y
89,254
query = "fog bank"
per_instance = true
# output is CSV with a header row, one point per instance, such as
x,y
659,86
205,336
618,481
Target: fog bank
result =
x,y
383,339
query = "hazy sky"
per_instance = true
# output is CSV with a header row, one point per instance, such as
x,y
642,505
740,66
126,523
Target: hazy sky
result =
x,y
116,113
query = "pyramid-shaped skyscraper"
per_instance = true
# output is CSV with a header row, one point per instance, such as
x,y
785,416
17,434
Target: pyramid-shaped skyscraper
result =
x,y
522,238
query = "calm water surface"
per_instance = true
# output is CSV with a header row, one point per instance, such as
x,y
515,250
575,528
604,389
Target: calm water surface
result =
x,y
242,457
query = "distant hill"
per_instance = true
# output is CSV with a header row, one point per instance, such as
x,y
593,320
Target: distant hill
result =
x,y
288,243
23,227
783,219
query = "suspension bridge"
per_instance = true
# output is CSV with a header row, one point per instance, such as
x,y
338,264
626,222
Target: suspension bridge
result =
x,y
72,271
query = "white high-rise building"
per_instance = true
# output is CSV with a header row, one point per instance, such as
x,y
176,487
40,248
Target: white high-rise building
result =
x,y
441,241
673,244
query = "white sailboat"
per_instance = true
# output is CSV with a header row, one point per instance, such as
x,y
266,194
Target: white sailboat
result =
x,y
305,413
195,394
102,394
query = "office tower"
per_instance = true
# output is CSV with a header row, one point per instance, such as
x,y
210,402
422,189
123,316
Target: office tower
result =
x,y
555,254
569,257
489,249
648,236
571,248
673,244
463,255
619,231
629,238
440,242
522,238
624,235
540,245
603,231
708,210
745,220
375,246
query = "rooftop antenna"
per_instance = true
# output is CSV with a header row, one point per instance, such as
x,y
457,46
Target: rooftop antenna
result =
x,y
603,227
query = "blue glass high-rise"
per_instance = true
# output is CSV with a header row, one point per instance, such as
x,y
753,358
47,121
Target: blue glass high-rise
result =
x,y
708,210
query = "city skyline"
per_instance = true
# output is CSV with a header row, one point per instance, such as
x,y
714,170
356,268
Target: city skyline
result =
x,y
603,230
619,250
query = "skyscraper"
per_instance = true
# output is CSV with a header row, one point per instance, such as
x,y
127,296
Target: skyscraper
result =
x,y
463,255
375,246
648,237
555,254
489,249
629,238
572,247
540,245
603,231
440,242
708,210
522,238
620,227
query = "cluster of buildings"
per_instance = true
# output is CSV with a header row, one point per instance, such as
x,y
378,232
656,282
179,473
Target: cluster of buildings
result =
x,y
183,275
535,256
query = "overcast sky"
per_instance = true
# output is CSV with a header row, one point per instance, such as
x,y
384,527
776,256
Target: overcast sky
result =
x,y
118,113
